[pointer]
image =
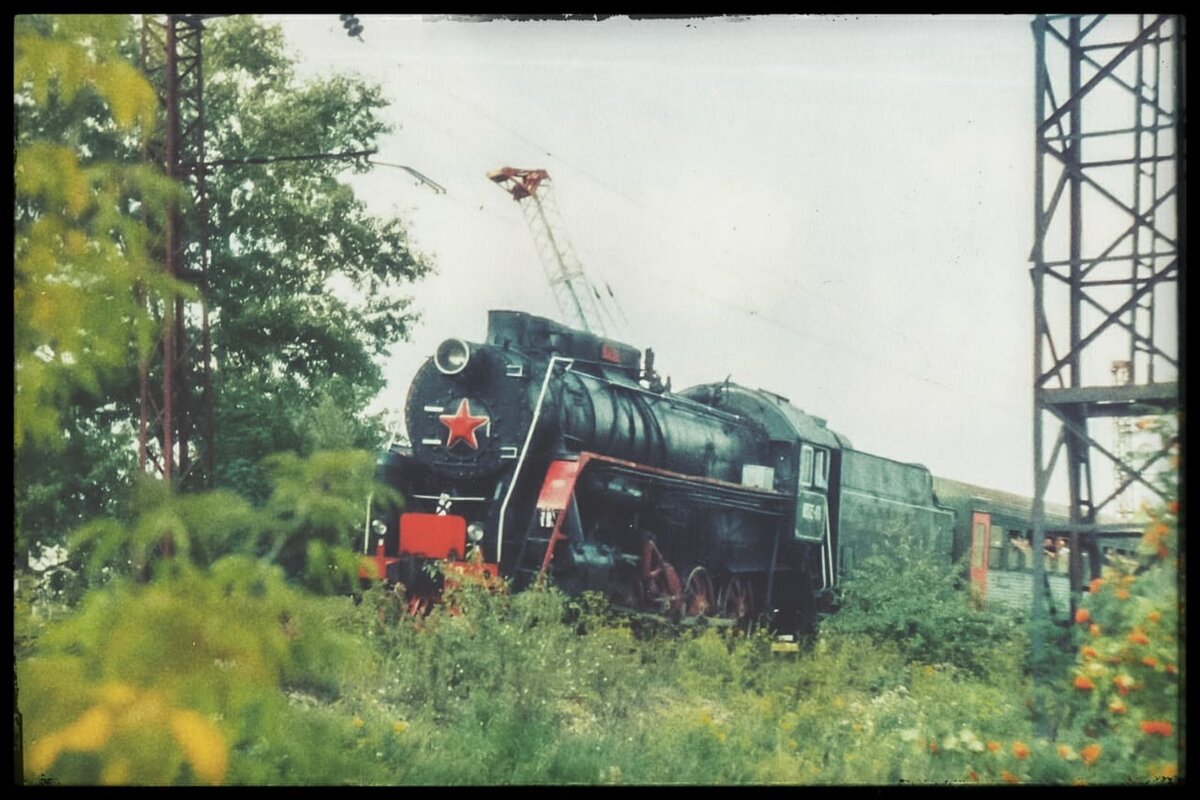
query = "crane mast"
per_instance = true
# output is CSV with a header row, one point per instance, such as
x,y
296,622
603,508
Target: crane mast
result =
x,y
577,299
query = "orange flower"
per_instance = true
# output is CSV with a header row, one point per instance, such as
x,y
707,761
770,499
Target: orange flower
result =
x,y
1082,616
1117,707
1154,616
1020,749
1138,637
1065,751
1166,770
1122,594
973,775
1123,683
1090,754
933,746
1095,585
993,747
1088,651
1173,507
1094,629
1158,727
1126,580
1150,661
1171,669
1008,777
1084,684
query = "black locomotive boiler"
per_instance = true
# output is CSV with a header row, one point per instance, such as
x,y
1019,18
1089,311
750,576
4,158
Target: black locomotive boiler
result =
x,y
555,451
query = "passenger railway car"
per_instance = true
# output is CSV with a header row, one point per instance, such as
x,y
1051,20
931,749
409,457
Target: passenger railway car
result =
x,y
552,451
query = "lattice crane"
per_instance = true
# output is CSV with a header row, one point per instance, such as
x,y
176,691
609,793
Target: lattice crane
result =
x,y
578,300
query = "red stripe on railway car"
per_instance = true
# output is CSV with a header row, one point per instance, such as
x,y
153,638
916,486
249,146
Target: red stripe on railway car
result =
x,y
981,537
433,535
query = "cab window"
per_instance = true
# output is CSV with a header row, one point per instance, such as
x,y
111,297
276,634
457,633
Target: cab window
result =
x,y
821,468
806,465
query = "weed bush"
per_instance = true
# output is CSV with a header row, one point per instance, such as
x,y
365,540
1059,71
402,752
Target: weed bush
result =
x,y
903,596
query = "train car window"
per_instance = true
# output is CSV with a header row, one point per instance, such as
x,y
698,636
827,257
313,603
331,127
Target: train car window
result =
x,y
821,468
1020,558
806,465
996,548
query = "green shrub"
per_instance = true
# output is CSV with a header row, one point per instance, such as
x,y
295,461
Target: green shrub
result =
x,y
903,596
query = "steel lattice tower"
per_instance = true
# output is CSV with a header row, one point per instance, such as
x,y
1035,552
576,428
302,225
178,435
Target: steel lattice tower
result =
x,y
173,62
1108,256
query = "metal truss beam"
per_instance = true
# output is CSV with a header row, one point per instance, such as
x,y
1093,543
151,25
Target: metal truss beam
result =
x,y
172,59
1109,251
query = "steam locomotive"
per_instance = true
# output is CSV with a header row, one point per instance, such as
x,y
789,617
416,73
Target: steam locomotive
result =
x,y
546,450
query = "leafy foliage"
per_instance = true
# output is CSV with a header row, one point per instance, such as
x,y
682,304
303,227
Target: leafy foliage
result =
x,y
79,252
307,287
901,595
310,288
313,513
165,682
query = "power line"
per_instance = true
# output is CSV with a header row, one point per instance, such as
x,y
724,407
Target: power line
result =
x,y
705,232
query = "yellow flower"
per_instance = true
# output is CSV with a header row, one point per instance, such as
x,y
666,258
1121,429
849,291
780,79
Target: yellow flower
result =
x,y
44,752
202,744
357,722
115,693
89,732
116,773
400,726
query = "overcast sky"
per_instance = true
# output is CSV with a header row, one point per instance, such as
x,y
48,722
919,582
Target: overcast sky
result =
x,y
837,209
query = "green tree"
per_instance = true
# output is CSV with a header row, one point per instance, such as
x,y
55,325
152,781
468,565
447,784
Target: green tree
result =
x,y
84,218
309,287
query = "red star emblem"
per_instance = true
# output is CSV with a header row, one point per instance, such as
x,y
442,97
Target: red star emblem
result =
x,y
462,425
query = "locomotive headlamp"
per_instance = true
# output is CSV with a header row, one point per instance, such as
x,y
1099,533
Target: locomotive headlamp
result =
x,y
475,532
452,356
378,527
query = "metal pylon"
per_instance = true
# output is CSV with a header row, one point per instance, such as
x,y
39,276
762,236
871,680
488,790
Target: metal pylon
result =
x,y
179,374
1108,255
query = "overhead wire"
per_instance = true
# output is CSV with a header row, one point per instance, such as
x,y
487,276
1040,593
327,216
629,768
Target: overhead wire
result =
x,y
707,234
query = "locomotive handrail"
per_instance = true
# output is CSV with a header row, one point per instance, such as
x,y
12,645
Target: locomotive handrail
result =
x,y
537,410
